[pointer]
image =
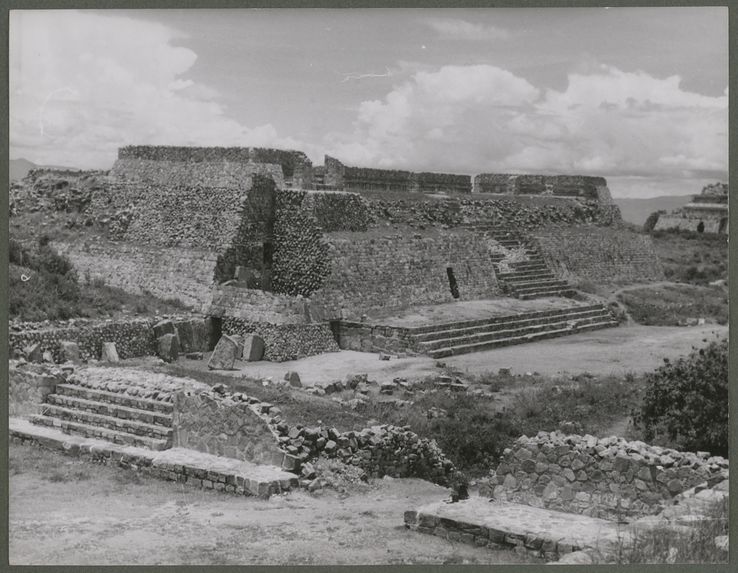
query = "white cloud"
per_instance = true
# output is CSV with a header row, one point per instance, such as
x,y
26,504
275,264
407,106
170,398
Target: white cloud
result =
x,y
481,118
457,29
83,84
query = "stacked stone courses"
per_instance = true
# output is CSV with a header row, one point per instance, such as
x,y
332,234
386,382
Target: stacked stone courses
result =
x,y
609,478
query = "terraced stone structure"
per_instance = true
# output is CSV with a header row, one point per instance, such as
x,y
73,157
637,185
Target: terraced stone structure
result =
x,y
705,213
268,244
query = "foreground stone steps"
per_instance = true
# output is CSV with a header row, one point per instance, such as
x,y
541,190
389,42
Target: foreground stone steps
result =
x,y
543,293
511,334
110,409
481,346
107,434
117,417
519,321
525,276
74,390
517,286
118,424
189,467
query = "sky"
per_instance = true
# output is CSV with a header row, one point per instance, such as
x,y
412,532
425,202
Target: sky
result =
x,y
636,95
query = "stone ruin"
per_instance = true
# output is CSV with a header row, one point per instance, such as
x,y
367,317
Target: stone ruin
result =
x,y
705,213
264,243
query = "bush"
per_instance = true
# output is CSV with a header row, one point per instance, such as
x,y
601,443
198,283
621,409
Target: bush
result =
x,y
685,405
651,221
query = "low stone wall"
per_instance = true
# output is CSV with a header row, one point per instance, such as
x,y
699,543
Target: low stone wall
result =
x,y
28,386
224,426
609,478
690,221
169,273
599,254
372,338
132,337
285,341
565,185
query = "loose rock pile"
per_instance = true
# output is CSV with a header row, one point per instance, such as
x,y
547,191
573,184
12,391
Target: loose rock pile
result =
x,y
609,478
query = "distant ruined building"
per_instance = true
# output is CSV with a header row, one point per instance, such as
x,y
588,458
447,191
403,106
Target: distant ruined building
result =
x,y
706,213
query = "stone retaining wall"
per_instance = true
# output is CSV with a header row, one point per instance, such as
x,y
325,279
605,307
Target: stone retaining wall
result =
x,y
372,338
599,254
369,271
28,386
285,341
219,425
132,337
255,305
168,273
564,185
609,478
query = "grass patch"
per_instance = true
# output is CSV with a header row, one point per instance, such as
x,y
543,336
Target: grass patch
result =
x,y
674,305
45,286
697,545
691,257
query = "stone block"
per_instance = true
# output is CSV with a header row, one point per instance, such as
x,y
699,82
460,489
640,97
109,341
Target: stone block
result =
x,y
164,327
168,347
293,378
109,352
253,348
224,354
70,352
33,352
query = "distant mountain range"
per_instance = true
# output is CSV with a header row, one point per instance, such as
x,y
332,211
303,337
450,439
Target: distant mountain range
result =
x,y
637,210
19,168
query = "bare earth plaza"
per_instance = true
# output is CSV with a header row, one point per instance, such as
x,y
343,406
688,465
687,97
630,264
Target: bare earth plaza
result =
x,y
242,354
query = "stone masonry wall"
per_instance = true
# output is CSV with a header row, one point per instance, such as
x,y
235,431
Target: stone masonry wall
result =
x,y
258,306
28,386
169,273
287,341
598,254
218,425
373,271
609,478
223,174
519,212
564,185
132,337
293,163
300,261
373,338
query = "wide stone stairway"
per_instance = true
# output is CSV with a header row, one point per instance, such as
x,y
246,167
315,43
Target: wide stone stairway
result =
x,y
142,421
527,279
462,337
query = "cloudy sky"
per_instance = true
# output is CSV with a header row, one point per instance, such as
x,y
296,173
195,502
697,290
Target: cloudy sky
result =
x,y
637,95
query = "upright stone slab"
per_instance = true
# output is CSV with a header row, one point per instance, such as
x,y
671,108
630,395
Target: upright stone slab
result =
x,y
70,352
239,345
33,353
164,327
253,348
168,346
224,354
186,335
109,353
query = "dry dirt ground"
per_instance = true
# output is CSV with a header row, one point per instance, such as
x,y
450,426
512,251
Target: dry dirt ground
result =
x,y
602,352
64,511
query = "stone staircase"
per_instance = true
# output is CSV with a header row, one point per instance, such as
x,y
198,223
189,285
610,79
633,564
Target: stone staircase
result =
x,y
115,417
451,339
526,279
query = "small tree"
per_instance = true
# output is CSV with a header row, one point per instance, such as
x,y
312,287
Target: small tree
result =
x,y
650,223
686,402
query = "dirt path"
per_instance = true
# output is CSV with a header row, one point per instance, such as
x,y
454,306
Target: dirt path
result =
x,y
64,511
602,352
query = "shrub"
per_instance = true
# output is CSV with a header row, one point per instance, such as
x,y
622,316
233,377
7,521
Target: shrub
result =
x,y
651,221
685,404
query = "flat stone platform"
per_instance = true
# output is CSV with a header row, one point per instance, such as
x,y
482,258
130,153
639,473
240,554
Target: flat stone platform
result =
x,y
470,310
548,533
176,464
